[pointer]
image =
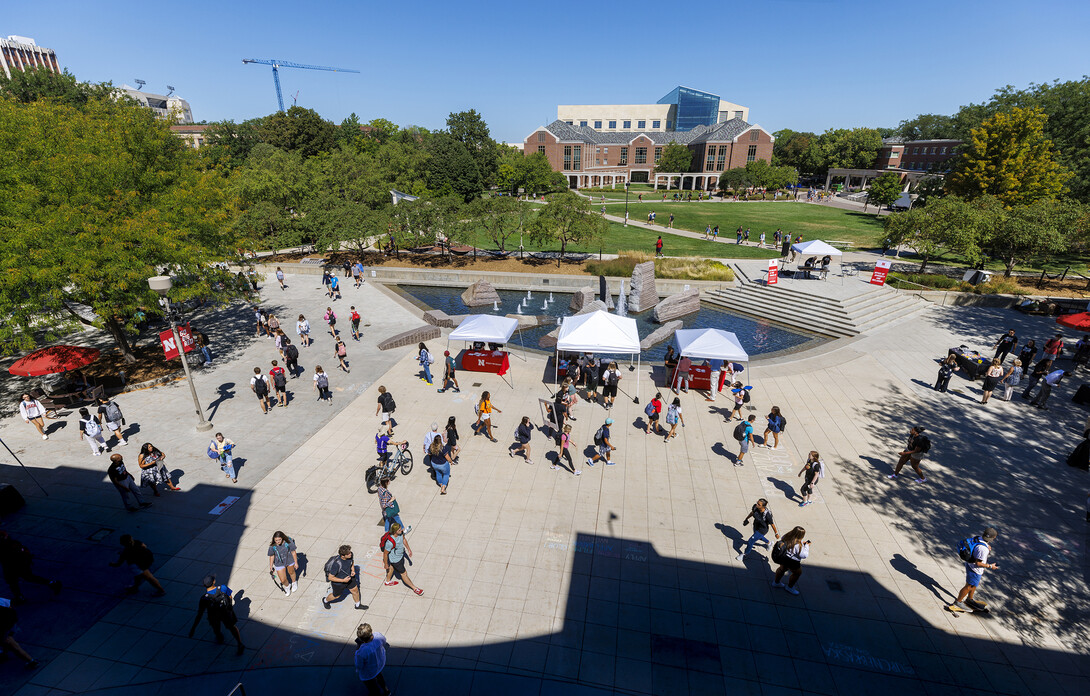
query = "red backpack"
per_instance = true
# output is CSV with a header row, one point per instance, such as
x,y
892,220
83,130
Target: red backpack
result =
x,y
386,537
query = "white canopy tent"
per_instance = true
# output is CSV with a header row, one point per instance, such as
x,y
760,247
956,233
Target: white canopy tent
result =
x,y
818,248
711,344
487,328
599,332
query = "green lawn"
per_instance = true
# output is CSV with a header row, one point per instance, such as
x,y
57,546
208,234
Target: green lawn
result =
x,y
620,238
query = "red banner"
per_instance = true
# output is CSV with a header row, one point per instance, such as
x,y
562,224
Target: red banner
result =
x,y
485,361
170,349
881,269
773,271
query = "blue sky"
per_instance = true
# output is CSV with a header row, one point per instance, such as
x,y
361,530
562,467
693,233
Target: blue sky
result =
x,y
800,64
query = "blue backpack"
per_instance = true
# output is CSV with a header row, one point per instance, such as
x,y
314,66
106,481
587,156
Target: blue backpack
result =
x,y
967,546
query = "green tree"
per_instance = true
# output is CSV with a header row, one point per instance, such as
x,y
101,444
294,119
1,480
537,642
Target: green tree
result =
x,y
272,190
498,216
929,188
797,150
452,168
350,130
566,218
231,143
884,190
675,158
734,179
849,149
945,226
469,128
299,130
1039,230
1010,158
38,83
100,199
929,127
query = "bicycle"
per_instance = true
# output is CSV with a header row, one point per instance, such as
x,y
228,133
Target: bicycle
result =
x,y
401,459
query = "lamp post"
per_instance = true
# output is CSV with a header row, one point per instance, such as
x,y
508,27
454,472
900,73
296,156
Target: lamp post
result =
x,y
162,285
626,202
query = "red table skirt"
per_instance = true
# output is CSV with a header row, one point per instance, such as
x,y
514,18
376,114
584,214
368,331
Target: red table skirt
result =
x,y
700,378
495,362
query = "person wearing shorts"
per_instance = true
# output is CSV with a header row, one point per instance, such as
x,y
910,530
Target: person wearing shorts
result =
x,y
341,574
747,438
32,411
974,572
394,549
386,409
449,372
355,318
302,327
610,378
283,561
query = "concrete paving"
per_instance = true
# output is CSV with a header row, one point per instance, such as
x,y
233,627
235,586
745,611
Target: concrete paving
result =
x,y
622,580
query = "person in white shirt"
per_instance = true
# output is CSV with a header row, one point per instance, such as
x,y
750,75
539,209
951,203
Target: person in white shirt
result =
x,y
1051,380
302,327
795,550
259,385
32,411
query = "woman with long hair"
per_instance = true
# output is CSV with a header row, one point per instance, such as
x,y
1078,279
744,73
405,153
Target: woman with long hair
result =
x,y
439,464
775,427
484,415
153,471
522,439
673,415
1011,379
794,551
947,368
991,379
452,440
283,561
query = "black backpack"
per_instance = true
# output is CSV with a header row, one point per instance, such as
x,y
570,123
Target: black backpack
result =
x,y
923,444
280,380
598,436
220,601
388,404
740,431
330,563
745,396
292,352
779,552
261,386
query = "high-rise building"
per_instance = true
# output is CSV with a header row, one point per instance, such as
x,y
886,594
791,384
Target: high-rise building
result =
x,y
163,105
21,52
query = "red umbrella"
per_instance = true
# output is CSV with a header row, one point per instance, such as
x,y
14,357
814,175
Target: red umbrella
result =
x,y
53,359
1079,322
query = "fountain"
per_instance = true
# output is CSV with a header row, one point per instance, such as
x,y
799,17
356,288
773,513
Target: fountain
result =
x,y
529,296
550,297
495,306
544,305
622,302
519,309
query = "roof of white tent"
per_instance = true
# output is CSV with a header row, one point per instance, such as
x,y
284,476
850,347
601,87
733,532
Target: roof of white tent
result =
x,y
599,332
485,327
714,344
816,247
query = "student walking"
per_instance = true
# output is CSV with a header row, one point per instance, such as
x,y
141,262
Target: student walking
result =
x,y
449,370
611,378
280,383
340,351
223,449
8,619
792,551
124,483
111,418
743,433
566,444
153,470
357,274
658,244
440,463
918,445
673,416
334,287
761,515
355,319
321,385
284,561
139,558
946,370
974,551
32,411
591,372
391,511
452,443
273,324
259,385
280,278
302,328
291,358
370,660
484,416
394,550
652,411
340,572
90,430
425,360
603,447
814,469
331,319
776,424
739,394
522,439
220,607
16,561
386,407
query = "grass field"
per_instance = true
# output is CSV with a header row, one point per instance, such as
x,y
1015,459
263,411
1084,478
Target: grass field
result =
x,y
620,238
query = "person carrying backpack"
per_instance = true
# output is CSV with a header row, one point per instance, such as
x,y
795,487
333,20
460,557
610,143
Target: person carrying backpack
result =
x,y
259,385
331,319
743,433
450,369
139,558
522,440
652,411
425,360
302,328
284,561
673,416
603,448
762,520
217,602
340,350
814,470
776,424
92,431
394,550
340,571
918,445
321,385
280,277
291,357
280,383
974,551
355,319
111,418
789,552
222,449
386,406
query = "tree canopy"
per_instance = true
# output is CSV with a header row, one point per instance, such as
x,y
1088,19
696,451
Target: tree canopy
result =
x,y
675,158
567,219
38,83
885,189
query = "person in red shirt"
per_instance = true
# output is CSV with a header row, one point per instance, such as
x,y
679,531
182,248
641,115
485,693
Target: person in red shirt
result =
x,y
1054,347
355,317
654,408
658,246
280,383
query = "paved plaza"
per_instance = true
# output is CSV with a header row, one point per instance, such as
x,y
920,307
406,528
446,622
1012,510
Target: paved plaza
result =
x,y
620,581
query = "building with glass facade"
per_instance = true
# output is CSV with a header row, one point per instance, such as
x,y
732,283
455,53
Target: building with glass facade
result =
x,y
682,109
692,108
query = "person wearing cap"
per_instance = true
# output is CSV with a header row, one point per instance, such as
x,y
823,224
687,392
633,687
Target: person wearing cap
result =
x,y
974,571
603,446
448,372
918,446
217,601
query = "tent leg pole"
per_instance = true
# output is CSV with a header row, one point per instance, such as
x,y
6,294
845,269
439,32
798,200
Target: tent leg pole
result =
x,y
24,467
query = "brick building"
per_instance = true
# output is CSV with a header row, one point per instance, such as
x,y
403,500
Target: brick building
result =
x,y
21,52
917,155
591,158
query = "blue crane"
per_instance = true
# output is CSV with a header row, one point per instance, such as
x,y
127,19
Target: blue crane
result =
x,y
277,64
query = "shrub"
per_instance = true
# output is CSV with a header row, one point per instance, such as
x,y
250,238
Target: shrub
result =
x,y
683,268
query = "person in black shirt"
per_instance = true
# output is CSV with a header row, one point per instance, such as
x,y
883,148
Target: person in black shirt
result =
x,y
946,370
918,445
124,483
762,520
522,439
16,560
139,559
1027,353
340,571
217,601
1006,343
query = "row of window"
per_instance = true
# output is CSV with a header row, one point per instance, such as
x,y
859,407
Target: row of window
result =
x,y
934,151
626,125
716,157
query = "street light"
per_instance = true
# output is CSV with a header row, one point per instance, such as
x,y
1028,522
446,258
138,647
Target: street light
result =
x,y
162,285
626,202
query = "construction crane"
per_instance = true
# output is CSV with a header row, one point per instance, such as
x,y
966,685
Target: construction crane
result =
x,y
277,64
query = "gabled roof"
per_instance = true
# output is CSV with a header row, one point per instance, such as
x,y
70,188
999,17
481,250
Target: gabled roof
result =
x,y
720,132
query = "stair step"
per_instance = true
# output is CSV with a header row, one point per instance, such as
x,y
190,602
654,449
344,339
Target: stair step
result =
x,y
811,323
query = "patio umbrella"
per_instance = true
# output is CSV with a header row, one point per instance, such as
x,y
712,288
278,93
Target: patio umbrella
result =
x,y
1079,322
53,359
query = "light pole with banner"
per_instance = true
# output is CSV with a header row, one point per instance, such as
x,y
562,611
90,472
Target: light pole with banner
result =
x,y
162,285
626,202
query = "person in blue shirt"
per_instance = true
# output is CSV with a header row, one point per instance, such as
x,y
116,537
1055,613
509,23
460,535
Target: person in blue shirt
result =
x,y
747,439
371,660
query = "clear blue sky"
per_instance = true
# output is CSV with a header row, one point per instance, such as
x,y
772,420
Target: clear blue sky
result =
x,y
800,64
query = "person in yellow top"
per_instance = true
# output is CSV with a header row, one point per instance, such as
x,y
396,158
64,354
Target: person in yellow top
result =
x,y
223,449
484,416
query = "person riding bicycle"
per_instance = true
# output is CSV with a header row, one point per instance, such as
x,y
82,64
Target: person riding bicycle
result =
x,y
382,444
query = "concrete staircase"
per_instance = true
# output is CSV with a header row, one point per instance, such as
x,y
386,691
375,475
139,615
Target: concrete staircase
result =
x,y
833,317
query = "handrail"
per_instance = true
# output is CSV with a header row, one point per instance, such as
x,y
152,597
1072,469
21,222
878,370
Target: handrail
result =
x,y
238,688
918,293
